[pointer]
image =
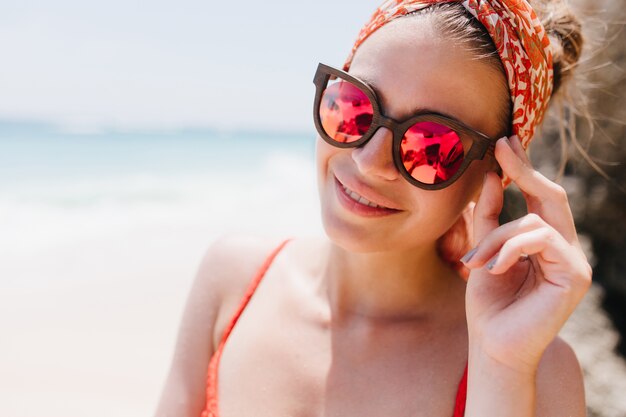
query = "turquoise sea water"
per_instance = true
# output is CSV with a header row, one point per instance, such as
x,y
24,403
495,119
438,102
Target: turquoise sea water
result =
x,y
58,186
33,152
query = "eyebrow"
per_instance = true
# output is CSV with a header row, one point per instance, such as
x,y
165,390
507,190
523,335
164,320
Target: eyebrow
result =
x,y
371,84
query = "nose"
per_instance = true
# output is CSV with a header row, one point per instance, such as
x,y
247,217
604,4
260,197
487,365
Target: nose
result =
x,y
374,158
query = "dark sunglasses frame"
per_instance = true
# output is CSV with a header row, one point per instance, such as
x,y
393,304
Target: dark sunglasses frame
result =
x,y
481,143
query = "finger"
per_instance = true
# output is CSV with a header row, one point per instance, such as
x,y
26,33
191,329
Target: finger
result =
x,y
492,242
519,150
545,241
528,179
541,194
488,207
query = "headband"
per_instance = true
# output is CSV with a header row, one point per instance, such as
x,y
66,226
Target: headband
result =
x,y
522,44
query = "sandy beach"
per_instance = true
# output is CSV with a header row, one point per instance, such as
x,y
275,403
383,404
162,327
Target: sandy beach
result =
x,y
93,332
96,337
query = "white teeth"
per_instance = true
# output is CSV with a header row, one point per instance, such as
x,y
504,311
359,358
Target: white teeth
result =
x,y
360,199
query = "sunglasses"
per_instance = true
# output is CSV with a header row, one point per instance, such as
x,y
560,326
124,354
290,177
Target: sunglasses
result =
x,y
430,150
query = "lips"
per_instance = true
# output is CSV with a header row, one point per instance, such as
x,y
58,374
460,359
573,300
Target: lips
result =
x,y
359,198
364,199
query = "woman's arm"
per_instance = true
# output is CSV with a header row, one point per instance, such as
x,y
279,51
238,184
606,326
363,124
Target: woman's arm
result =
x,y
184,392
222,279
555,389
560,388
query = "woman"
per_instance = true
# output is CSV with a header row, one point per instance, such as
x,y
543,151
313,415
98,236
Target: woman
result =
x,y
376,320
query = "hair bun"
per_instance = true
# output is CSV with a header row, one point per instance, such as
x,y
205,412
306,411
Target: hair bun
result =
x,y
565,32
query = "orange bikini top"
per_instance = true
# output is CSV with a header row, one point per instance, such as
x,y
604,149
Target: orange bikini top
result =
x,y
211,408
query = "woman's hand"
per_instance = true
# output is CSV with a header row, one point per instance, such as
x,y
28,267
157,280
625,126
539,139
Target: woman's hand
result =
x,y
528,275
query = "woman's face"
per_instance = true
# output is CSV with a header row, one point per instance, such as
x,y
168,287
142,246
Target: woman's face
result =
x,y
411,67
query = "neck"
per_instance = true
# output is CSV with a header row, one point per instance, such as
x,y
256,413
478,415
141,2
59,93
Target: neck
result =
x,y
398,285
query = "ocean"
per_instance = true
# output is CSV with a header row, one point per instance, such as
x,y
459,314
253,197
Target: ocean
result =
x,y
58,186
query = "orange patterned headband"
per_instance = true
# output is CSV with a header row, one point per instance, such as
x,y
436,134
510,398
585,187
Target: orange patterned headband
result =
x,y
520,39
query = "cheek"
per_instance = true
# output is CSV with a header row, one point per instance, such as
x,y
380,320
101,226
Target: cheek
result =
x,y
440,209
437,211
475,177
323,154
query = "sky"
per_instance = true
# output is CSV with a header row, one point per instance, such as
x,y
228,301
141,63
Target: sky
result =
x,y
126,64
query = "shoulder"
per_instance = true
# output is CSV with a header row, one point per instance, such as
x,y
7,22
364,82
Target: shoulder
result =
x,y
230,262
226,271
560,388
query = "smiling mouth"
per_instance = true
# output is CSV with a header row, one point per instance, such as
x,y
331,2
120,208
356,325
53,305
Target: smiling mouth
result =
x,y
360,199
351,195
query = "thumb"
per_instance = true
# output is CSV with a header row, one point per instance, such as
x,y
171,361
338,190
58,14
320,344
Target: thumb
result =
x,y
488,207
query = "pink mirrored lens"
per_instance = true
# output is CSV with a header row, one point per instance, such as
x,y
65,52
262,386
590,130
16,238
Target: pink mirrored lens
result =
x,y
345,111
431,152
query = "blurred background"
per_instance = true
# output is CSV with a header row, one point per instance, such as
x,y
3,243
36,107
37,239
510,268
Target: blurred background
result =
x,y
133,133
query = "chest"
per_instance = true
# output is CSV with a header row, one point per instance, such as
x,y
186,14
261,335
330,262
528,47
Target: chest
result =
x,y
283,359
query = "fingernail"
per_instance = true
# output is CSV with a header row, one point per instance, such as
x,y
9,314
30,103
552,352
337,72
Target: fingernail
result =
x,y
492,262
466,258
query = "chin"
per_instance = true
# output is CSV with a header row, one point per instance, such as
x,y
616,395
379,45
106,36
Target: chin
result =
x,y
370,239
352,238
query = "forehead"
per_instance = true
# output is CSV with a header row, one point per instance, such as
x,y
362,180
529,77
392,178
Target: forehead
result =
x,y
411,66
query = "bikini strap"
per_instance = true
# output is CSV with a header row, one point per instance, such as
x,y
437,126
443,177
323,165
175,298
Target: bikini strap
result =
x,y
251,288
461,396
211,409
